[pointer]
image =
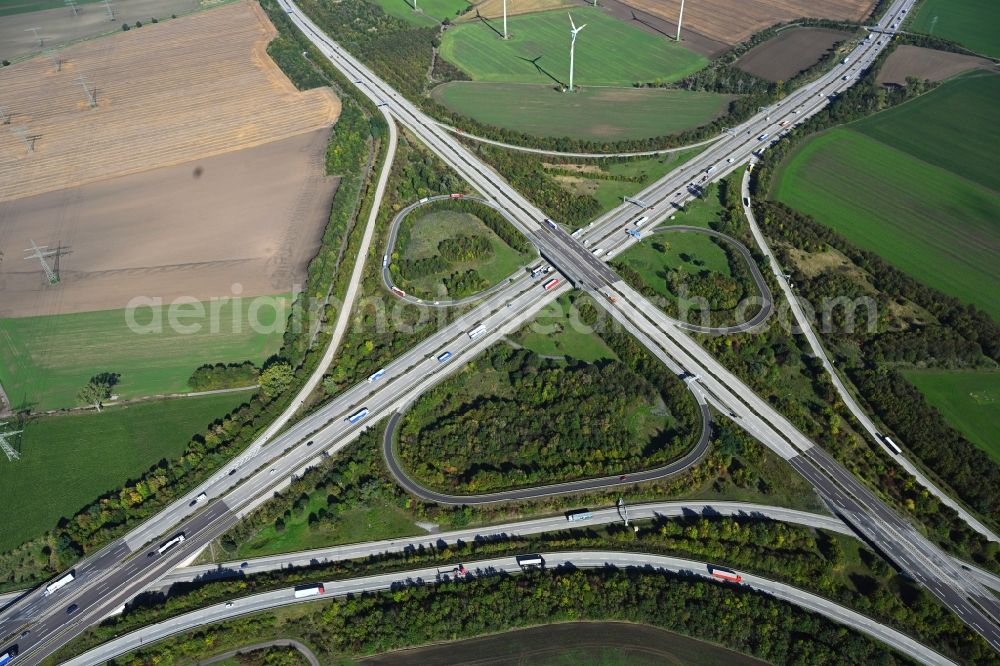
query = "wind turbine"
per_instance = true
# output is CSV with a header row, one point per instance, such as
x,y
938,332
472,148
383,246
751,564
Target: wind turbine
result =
x,y
572,47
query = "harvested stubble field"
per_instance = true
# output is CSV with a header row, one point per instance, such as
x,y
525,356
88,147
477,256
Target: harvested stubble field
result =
x,y
732,21
166,93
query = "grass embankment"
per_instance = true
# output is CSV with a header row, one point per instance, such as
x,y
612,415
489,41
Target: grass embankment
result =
x,y
45,361
537,51
971,23
558,332
969,401
609,181
597,114
917,184
68,460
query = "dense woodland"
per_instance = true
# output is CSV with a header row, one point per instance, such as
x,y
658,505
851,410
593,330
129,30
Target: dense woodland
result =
x,y
543,422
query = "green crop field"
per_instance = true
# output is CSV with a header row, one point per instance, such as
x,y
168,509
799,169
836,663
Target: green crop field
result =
x,y
44,361
430,12
954,127
427,230
969,402
929,208
971,23
597,114
609,52
69,460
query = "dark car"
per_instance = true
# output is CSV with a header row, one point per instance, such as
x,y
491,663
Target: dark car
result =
x,y
244,565
72,609
232,471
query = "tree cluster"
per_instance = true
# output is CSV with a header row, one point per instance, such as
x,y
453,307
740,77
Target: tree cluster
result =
x,y
224,376
544,422
463,248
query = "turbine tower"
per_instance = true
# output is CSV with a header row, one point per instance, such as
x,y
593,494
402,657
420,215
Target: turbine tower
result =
x,y
679,19
572,46
505,19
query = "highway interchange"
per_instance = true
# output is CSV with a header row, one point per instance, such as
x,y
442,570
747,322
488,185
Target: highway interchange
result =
x,y
115,574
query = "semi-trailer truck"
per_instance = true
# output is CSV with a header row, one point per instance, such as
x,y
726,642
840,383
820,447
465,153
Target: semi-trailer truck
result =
x,y
303,591
60,582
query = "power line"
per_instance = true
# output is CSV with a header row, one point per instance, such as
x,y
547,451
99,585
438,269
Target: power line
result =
x,y
40,253
5,446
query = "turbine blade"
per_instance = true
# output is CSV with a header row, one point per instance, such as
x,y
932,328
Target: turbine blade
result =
x,y
571,21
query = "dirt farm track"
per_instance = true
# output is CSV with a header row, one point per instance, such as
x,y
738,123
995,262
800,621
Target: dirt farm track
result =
x,y
166,93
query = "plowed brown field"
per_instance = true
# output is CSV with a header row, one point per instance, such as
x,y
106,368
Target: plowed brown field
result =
x,y
167,93
924,63
732,21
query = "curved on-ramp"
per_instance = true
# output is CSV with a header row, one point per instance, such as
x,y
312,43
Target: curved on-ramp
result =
x,y
559,153
446,302
581,485
507,565
766,298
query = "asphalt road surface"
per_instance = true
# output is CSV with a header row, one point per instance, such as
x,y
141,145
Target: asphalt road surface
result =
x,y
253,478
507,565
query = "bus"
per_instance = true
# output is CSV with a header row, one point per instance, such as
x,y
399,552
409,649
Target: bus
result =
x,y
170,543
550,284
551,224
398,291
579,514
892,445
724,574
477,332
444,357
302,591
8,655
375,376
457,195
358,415
60,582
526,561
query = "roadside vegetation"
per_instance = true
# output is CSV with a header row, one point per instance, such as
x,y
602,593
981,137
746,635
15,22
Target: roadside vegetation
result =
x,y
832,565
512,419
913,326
683,271
354,149
382,326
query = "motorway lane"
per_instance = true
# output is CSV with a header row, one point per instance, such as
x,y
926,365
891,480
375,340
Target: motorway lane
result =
x,y
502,532
477,173
507,565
